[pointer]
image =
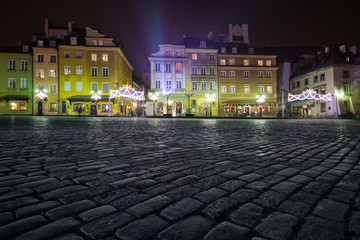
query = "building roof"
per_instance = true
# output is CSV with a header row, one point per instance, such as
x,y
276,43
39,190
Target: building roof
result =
x,y
291,53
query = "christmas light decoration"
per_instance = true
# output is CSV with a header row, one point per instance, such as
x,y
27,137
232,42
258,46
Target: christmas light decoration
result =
x,y
41,94
260,99
309,95
127,92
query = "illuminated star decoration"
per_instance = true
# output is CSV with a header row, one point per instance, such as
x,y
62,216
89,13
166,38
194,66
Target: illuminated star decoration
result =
x,y
309,95
127,92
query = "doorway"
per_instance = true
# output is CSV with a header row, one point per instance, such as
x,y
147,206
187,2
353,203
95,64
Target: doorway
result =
x,y
40,108
93,110
63,107
178,108
204,110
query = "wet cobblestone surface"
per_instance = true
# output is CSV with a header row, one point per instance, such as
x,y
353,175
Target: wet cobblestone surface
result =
x,y
123,178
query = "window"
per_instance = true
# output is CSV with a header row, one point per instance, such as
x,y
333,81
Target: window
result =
x,y
16,106
323,107
232,62
53,58
52,88
223,89
94,72
260,62
79,70
212,56
168,67
24,65
293,85
105,87
66,54
306,82
268,74
193,102
25,48
232,89
78,54
178,84
52,44
222,74
194,70
11,83
202,56
246,74
40,73
203,70
52,73
94,43
268,62
212,71
105,108
178,66
105,57
223,50
157,67
234,50
94,57
261,89
212,85
298,84
40,43
247,89
62,36
79,87
316,79
24,83
77,106
194,85
246,62
203,85
11,65
168,52
67,70
52,107
346,90
322,77
168,84
40,58
73,40
232,74
322,90
250,50
67,86
346,74
105,71
94,87
202,44
157,84
41,87
194,56
101,43
261,74
269,89
222,62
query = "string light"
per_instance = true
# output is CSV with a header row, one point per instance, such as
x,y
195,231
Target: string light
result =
x,y
309,95
127,92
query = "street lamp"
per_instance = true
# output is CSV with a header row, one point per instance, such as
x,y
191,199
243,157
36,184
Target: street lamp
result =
x,y
261,100
189,94
210,98
154,97
167,94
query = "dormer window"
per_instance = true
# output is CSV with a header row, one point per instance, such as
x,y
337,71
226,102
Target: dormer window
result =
x,y
52,44
234,50
347,58
94,43
40,43
223,50
25,48
101,43
73,40
202,44
251,50
167,52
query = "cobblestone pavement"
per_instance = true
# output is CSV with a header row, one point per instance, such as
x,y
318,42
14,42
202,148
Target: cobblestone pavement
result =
x,y
121,178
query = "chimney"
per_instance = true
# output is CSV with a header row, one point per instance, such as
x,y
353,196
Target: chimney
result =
x,y
210,35
353,50
46,27
342,48
245,33
230,33
70,26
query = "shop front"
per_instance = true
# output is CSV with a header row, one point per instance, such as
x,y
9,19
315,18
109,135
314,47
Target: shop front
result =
x,y
245,108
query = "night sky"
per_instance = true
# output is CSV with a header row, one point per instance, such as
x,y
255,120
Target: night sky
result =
x,y
143,24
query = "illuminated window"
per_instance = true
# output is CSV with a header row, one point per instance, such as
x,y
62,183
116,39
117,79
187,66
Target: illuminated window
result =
x,y
79,70
178,84
40,58
194,85
13,106
260,62
157,84
194,56
94,43
246,74
261,89
269,74
105,108
105,57
53,58
212,71
269,89
52,107
101,43
94,72
67,70
246,62
323,90
79,87
223,89
203,70
268,62
52,73
11,83
212,85
73,40
222,62
203,85
94,57
105,87
78,54
24,65
53,88
105,71
40,43
17,105
77,106
168,84
194,70
40,73
247,89
232,89
24,83
178,66
67,86
232,74
66,54
222,74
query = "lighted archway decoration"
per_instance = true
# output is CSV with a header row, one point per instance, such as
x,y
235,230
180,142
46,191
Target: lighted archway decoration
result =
x,y
127,92
309,94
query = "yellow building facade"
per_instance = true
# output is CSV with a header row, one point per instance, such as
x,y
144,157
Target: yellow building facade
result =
x,y
93,64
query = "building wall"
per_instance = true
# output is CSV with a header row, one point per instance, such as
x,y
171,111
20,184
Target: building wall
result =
x,y
17,74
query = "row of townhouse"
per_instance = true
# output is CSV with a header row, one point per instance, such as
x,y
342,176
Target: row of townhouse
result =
x,y
62,70
202,77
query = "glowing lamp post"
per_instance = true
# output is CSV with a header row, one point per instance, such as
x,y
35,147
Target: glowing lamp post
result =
x,y
210,98
189,94
154,97
167,94
261,100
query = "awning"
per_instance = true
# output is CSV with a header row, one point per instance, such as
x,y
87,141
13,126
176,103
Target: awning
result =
x,y
239,101
16,97
87,98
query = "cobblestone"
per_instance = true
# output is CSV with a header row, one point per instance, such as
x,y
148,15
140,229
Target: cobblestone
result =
x,y
111,178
